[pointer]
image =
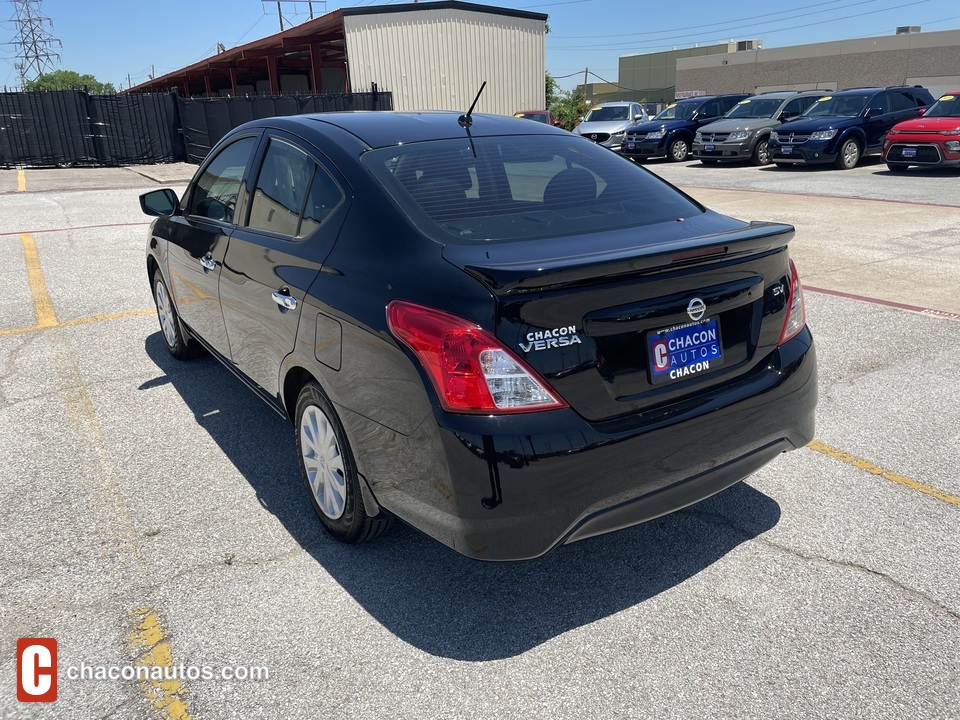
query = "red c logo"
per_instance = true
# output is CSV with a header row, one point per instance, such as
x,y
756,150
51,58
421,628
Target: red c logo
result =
x,y
36,669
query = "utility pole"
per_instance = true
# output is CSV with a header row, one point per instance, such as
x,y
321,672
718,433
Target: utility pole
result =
x,y
35,53
309,4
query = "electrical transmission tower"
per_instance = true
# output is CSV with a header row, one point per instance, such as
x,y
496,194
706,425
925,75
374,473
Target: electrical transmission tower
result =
x,y
35,54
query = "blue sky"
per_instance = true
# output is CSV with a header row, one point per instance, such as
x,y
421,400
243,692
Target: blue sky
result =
x,y
112,38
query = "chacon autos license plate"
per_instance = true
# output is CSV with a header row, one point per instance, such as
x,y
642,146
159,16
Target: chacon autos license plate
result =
x,y
683,351
786,149
909,152
708,148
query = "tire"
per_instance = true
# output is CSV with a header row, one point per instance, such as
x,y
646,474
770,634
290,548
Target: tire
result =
x,y
897,167
330,472
761,153
173,337
679,150
849,155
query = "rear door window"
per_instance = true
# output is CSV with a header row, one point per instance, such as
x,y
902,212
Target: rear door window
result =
x,y
285,175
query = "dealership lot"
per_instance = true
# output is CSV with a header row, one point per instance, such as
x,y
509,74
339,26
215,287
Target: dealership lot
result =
x,y
144,526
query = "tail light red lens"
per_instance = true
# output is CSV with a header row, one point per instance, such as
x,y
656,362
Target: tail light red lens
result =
x,y
470,369
797,315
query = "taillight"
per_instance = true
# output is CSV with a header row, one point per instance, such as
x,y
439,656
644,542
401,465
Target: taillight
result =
x,y
470,369
797,316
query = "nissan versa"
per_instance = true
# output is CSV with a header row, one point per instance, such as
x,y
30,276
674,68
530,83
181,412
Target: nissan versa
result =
x,y
500,334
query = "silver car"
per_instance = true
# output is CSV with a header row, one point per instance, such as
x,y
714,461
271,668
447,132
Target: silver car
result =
x,y
606,123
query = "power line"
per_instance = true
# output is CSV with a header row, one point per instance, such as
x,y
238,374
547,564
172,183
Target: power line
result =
x,y
704,41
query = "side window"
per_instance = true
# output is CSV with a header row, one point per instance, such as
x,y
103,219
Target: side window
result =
x,y
324,197
727,103
281,188
798,105
901,101
711,109
883,102
215,194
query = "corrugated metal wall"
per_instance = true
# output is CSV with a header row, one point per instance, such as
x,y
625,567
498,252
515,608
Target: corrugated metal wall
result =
x,y
437,59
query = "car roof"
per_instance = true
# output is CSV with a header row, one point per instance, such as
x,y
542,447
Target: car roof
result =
x,y
385,128
613,103
784,94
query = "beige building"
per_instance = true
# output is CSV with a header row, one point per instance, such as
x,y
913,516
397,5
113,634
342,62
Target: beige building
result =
x,y
652,77
429,55
930,59
436,55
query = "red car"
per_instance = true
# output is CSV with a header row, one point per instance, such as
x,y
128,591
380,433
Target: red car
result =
x,y
543,116
933,139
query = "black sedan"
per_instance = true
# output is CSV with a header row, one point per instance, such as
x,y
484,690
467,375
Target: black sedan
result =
x,y
504,336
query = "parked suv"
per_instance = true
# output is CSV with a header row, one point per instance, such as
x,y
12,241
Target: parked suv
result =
x,y
933,139
605,123
670,133
842,127
743,132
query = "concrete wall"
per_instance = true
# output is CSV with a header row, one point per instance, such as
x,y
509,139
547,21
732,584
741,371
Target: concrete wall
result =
x,y
437,59
931,59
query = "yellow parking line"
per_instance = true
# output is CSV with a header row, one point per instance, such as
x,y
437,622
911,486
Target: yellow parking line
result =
x,y
42,304
21,181
148,639
863,464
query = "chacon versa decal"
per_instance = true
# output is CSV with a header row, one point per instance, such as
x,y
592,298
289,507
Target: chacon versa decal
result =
x,y
557,337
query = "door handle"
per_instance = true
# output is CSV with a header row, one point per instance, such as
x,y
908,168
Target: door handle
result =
x,y
208,263
285,301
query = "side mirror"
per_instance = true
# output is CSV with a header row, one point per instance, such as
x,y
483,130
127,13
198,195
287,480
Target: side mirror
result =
x,y
638,117
558,123
160,203
872,112
921,111
784,116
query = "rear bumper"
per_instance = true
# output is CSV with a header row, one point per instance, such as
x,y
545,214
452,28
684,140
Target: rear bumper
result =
x,y
515,487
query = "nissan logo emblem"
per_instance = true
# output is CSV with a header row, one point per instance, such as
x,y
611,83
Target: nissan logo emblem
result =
x,y
696,308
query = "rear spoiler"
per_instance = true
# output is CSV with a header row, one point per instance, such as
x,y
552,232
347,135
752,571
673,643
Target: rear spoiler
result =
x,y
504,269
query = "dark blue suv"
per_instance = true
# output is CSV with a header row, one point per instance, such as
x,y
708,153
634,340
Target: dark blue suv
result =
x,y
670,133
842,127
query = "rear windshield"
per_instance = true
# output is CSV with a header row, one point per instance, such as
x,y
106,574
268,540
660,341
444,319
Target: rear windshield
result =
x,y
522,187
839,105
606,114
751,108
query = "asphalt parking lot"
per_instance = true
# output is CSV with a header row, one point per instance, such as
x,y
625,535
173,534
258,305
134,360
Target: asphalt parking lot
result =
x,y
153,514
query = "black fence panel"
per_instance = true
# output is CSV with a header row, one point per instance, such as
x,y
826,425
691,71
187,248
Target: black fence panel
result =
x,y
206,120
136,129
70,127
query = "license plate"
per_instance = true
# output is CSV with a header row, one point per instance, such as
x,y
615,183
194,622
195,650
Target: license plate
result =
x,y
683,351
630,146
786,150
909,152
708,148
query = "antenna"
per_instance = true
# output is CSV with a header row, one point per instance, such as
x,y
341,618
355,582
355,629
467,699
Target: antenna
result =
x,y
34,42
467,120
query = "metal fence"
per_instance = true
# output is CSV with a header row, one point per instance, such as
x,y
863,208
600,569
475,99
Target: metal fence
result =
x,y
71,128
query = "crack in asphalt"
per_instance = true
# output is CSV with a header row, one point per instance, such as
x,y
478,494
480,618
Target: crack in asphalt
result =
x,y
934,604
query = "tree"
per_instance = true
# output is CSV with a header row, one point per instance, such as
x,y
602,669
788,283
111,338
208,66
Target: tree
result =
x,y
552,90
69,80
569,107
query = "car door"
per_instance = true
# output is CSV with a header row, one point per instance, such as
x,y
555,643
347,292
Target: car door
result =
x,y
295,212
880,120
197,241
